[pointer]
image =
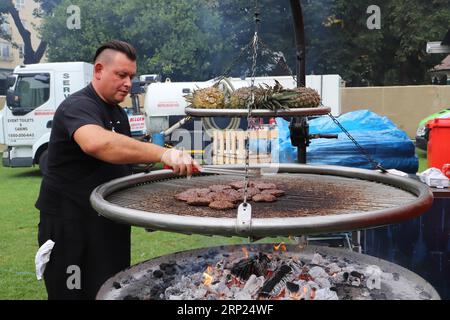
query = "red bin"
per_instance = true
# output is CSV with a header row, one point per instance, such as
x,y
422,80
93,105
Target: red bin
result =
x,y
438,151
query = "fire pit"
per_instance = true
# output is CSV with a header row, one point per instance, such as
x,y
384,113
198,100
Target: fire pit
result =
x,y
318,199
267,272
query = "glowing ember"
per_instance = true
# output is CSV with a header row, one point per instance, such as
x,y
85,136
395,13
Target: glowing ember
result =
x,y
279,247
244,249
207,278
277,275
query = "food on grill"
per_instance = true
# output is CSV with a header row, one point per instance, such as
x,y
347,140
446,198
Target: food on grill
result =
x,y
251,191
222,205
264,185
186,195
241,184
260,197
219,187
226,196
202,191
199,201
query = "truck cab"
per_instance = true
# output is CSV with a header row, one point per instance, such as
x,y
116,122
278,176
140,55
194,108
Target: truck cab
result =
x,y
34,93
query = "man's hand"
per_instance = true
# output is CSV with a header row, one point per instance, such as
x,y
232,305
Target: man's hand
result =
x,y
181,162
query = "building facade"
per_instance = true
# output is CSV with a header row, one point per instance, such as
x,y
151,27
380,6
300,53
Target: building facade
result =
x,y
10,56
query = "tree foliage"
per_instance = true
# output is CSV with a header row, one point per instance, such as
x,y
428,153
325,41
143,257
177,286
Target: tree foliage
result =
x,y
176,38
201,39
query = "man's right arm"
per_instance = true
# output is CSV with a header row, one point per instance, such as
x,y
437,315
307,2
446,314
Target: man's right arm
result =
x,y
117,148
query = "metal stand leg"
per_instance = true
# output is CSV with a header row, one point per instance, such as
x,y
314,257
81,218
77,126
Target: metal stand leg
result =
x,y
356,240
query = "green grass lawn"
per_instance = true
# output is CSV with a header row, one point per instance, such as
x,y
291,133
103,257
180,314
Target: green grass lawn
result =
x,y
423,163
18,235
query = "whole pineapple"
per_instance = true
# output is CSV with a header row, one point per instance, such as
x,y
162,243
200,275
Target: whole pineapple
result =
x,y
240,98
306,98
207,98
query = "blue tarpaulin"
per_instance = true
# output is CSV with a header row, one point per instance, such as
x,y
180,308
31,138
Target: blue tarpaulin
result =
x,y
378,135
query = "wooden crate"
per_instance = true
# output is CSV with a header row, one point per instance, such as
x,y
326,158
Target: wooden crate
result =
x,y
229,146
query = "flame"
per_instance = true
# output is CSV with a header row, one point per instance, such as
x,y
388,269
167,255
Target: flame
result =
x,y
207,278
281,246
244,249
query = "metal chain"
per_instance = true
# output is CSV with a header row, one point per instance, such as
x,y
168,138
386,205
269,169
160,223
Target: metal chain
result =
x,y
227,71
376,165
272,56
251,103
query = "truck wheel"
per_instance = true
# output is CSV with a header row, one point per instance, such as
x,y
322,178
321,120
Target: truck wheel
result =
x,y
43,162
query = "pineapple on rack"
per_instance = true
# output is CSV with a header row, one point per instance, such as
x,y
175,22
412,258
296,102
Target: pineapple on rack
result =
x,y
207,98
241,97
277,97
266,97
306,98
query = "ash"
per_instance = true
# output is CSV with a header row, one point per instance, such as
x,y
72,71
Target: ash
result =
x,y
278,276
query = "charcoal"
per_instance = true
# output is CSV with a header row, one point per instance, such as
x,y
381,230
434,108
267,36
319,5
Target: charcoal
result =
x,y
378,296
276,278
256,265
130,297
158,274
157,291
292,287
346,275
356,274
169,269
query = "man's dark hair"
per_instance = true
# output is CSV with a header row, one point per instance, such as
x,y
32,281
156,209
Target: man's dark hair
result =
x,y
117,45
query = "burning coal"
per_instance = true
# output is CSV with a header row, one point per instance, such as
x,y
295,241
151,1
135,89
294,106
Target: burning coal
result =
x,y
279,275
267,272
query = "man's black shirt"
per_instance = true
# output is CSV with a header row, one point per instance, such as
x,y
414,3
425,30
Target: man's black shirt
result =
x,y
72,174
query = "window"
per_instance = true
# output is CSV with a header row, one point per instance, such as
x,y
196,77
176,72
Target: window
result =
x,y
21,50
5,28
20,4
5,51
32,91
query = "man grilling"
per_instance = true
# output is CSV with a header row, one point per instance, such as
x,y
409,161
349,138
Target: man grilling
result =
x,y
90,144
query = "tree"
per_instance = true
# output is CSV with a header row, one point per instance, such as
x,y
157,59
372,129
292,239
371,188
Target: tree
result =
x,y
30,55
200,39
180,39
392,55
